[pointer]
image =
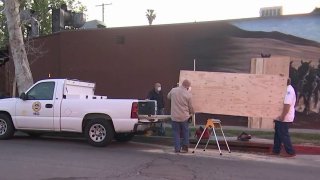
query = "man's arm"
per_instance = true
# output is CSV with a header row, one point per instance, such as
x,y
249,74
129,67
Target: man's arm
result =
x,y
162,98
169,95
285,111
149,95
191,110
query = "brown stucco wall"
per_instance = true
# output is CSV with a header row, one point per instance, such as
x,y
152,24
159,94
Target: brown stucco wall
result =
x,y
147,54
126,70
45,59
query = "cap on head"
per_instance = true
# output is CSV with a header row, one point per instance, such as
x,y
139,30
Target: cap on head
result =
x,y
156,85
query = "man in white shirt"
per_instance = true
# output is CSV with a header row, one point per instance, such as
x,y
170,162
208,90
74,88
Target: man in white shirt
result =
x,y
281,135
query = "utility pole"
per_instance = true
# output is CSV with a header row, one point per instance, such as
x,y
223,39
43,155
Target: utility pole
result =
x,y
102,5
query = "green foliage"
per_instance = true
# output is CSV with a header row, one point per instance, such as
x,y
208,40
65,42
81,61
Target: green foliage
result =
x,y
43,10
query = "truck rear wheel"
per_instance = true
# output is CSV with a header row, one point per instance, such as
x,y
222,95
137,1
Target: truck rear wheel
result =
x,y
99,132
124,137
6,127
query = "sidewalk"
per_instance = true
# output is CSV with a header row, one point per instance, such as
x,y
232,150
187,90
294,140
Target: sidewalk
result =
x,y
254,145
307,131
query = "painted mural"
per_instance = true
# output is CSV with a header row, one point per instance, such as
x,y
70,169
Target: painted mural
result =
x,y
305,67
295,36
230,46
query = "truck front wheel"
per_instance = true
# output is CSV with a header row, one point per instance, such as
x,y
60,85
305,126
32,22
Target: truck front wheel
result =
x,y
6,127
99,132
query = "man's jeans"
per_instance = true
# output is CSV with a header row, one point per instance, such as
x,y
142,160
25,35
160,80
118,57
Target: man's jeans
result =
x,y
281,136
180,128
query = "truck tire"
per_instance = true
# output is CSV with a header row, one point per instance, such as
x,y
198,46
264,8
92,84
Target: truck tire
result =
x,y
6,127
124,137
99,132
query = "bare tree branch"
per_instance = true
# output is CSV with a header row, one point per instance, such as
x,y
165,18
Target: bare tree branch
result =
x,y
35,52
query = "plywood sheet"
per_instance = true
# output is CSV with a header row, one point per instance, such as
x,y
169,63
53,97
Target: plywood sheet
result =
x,y
236,94
259,68
274,65
277,65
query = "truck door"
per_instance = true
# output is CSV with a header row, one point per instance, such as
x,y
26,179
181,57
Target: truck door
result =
x,y
36,112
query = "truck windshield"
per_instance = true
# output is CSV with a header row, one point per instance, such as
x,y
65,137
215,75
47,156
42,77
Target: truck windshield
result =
x,y
42,91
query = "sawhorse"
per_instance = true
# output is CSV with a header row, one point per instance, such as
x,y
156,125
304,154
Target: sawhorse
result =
x,y
212,123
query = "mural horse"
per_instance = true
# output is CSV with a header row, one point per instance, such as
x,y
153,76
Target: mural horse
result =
x,y
306,82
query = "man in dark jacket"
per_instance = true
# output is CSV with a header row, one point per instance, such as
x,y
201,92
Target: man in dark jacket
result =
x,y
157,95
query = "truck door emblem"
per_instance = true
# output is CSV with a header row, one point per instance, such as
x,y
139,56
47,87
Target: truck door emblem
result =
x,y
36,106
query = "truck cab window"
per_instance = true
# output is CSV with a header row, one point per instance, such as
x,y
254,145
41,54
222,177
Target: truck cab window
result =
x,y
42,91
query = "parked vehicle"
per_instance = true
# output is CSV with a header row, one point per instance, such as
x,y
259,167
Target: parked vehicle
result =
x,y
61,105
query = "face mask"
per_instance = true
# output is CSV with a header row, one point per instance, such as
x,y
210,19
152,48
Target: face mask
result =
x,y
159,89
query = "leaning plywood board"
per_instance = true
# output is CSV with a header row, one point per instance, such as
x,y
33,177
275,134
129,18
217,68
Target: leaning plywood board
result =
x,y
236,94
256,68
275,66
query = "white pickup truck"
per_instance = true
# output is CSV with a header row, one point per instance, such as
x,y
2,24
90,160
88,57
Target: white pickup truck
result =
x,y
61,105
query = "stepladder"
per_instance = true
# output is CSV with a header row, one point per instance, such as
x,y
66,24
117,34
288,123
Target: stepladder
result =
x,y
213,124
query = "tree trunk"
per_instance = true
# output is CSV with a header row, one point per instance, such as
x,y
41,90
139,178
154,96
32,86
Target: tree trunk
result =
x,y
22,68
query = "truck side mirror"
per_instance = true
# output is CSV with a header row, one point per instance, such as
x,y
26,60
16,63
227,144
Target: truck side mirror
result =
x,y
23,96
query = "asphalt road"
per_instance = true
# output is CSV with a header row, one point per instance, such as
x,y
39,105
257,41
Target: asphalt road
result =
x,y
28,158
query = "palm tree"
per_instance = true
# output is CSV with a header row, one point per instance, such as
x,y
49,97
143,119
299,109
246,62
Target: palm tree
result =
x,y
150,15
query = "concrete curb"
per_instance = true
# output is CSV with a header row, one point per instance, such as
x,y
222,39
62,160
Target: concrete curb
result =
x,y
235,145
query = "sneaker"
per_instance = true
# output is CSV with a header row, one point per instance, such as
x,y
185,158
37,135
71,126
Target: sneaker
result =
x,y
184,149
175,151
286,155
